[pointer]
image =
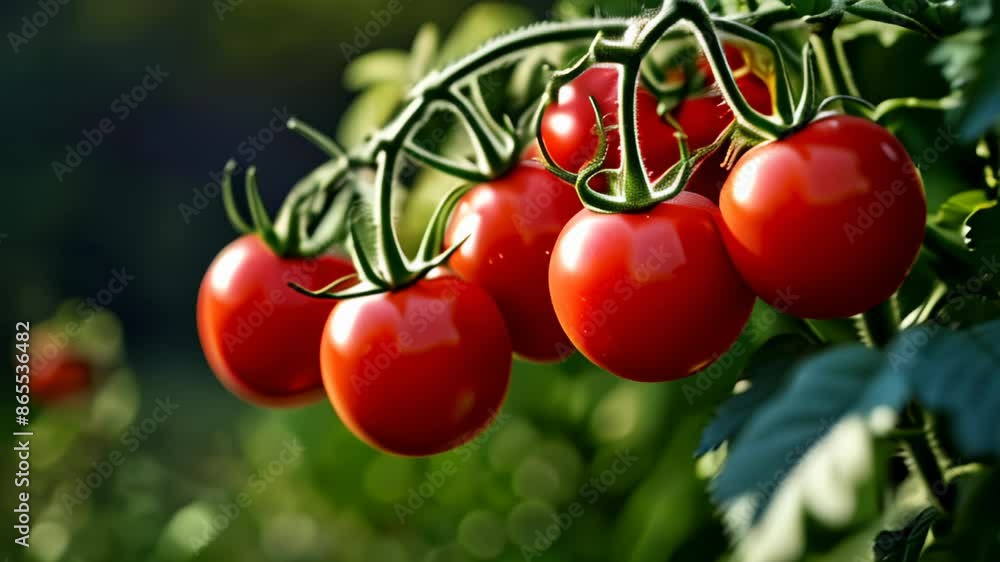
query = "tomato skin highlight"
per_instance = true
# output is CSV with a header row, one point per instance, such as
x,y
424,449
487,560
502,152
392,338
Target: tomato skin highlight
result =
x,y
795,210
260,337
649,296
417,371
512,224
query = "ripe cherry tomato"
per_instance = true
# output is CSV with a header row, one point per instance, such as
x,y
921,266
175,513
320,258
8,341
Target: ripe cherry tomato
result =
x,y
261,338
512,223
649,296
568,126
57,378
703,119
420,370
827,221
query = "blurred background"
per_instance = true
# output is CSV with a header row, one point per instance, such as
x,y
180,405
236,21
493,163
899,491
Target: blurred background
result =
x,y
158,461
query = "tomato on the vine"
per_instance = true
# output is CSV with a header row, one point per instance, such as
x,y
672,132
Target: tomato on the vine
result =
x,y
649,296
829,219
420,370
512,223
261,338
568,126
59,377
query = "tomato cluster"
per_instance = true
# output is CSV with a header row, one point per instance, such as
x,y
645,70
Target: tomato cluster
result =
x,y
653,295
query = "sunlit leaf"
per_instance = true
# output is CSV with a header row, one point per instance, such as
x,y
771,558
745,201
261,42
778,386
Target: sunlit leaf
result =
x,y
823,390
768,370
479,23
376,67
370,111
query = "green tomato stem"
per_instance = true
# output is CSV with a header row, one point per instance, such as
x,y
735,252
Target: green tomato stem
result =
x,y
833,65
917,438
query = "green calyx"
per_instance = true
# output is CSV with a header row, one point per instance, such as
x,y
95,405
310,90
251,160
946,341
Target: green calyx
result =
x,y
312,216
365,214
631,190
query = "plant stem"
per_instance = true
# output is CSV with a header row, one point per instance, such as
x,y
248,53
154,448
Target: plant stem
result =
x,y
878,326
917,446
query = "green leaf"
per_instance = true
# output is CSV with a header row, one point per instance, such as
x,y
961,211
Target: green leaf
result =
x,y
878,11
823,390
370,110
955,374
981,108
376,67
479,23
810,7
425,46
767,372
957,208
983,231
976,12
906,544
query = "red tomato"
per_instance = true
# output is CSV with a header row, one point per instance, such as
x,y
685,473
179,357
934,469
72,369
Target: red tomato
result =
x,y
420,370
734,56
569,133
827,221
261,338
61,376
704,118
569,125
649,296
512,223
